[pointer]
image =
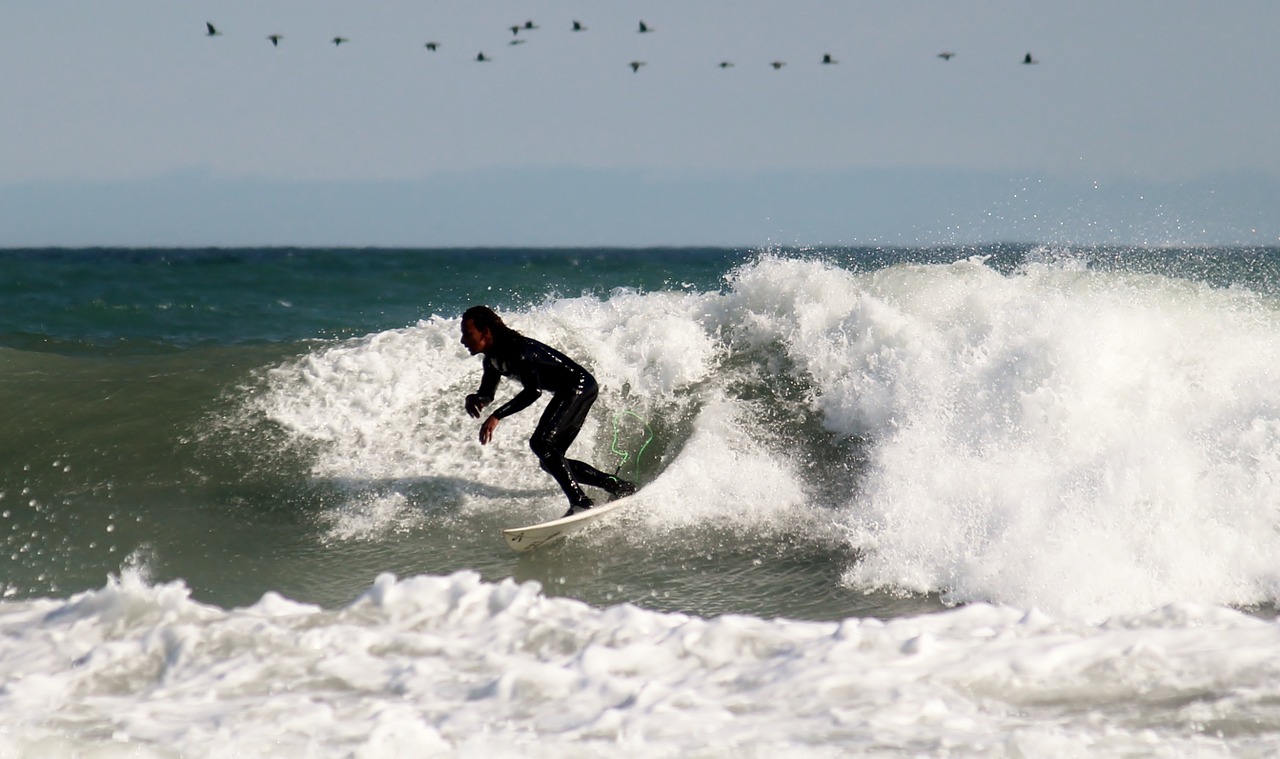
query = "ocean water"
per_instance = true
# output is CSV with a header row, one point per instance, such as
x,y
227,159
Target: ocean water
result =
x,y
992,501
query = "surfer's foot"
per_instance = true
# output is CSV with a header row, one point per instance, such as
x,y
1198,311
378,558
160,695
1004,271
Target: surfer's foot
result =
x,y
578,508
620,488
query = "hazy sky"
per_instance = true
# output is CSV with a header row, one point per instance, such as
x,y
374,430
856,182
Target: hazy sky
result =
x,y
123,123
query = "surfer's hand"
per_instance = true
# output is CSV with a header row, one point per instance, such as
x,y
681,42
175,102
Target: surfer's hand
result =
x,y
474,405
486,429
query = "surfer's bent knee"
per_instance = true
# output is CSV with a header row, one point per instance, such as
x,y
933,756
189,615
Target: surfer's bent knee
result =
x,y
542,448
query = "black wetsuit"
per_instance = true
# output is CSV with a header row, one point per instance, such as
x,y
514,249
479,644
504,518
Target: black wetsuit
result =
x,y
540,367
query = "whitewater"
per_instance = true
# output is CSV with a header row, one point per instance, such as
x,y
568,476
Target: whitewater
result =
x,y
980,506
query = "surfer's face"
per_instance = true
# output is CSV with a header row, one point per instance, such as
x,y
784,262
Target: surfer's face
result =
x,y
475,339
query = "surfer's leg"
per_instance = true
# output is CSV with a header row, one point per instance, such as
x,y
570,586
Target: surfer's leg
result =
x,y
583,473
586,474
556,430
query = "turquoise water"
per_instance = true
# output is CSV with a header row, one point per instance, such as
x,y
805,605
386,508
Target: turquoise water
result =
x,y
135,300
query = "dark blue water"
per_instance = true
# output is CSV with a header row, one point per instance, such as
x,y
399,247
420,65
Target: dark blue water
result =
x,y
123,301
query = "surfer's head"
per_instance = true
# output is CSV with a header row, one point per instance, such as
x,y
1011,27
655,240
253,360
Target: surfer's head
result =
x,y
481,327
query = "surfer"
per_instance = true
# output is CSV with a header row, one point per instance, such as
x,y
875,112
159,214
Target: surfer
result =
x,y
537,367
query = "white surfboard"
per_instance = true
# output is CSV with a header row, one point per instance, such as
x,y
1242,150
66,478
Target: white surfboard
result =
x,y
523,539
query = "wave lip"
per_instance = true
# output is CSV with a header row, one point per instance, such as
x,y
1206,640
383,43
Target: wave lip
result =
x,y
1083,441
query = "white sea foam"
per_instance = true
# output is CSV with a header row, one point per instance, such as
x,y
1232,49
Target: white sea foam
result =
x,y
388,407
372,516
1083,442
453,666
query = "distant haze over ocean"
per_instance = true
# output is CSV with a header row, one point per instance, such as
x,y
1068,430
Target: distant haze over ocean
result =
x,y
594,207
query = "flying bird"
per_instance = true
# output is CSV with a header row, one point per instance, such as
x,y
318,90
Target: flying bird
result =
x,y
517,42
1029,61
644,28
578,27
515,29
531,25
275,39
339,40
726,64
827,59
432,46
635,66
778,64
946,55
212,32
482,58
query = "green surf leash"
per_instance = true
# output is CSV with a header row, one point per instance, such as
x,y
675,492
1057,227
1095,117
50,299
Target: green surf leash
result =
x,y
625,456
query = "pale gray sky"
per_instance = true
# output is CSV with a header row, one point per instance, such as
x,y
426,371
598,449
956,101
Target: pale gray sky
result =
x,y
1144,121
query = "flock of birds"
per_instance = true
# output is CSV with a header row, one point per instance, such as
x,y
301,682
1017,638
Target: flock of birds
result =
x,y
528,26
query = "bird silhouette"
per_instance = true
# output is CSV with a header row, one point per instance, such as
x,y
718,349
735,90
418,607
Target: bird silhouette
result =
x,y
644,28
531,25
432,46
212,31
778,64
827,59
275,39
515,29
726,64
482,58
339,40
517,42
578,27
1029,61
946,55
635,66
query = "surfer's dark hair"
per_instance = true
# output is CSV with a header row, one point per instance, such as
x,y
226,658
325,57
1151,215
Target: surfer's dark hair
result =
x,y
484,318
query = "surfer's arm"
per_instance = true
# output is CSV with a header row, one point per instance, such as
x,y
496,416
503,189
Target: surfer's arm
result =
x,y
518,403
526,370
484,396
528,376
